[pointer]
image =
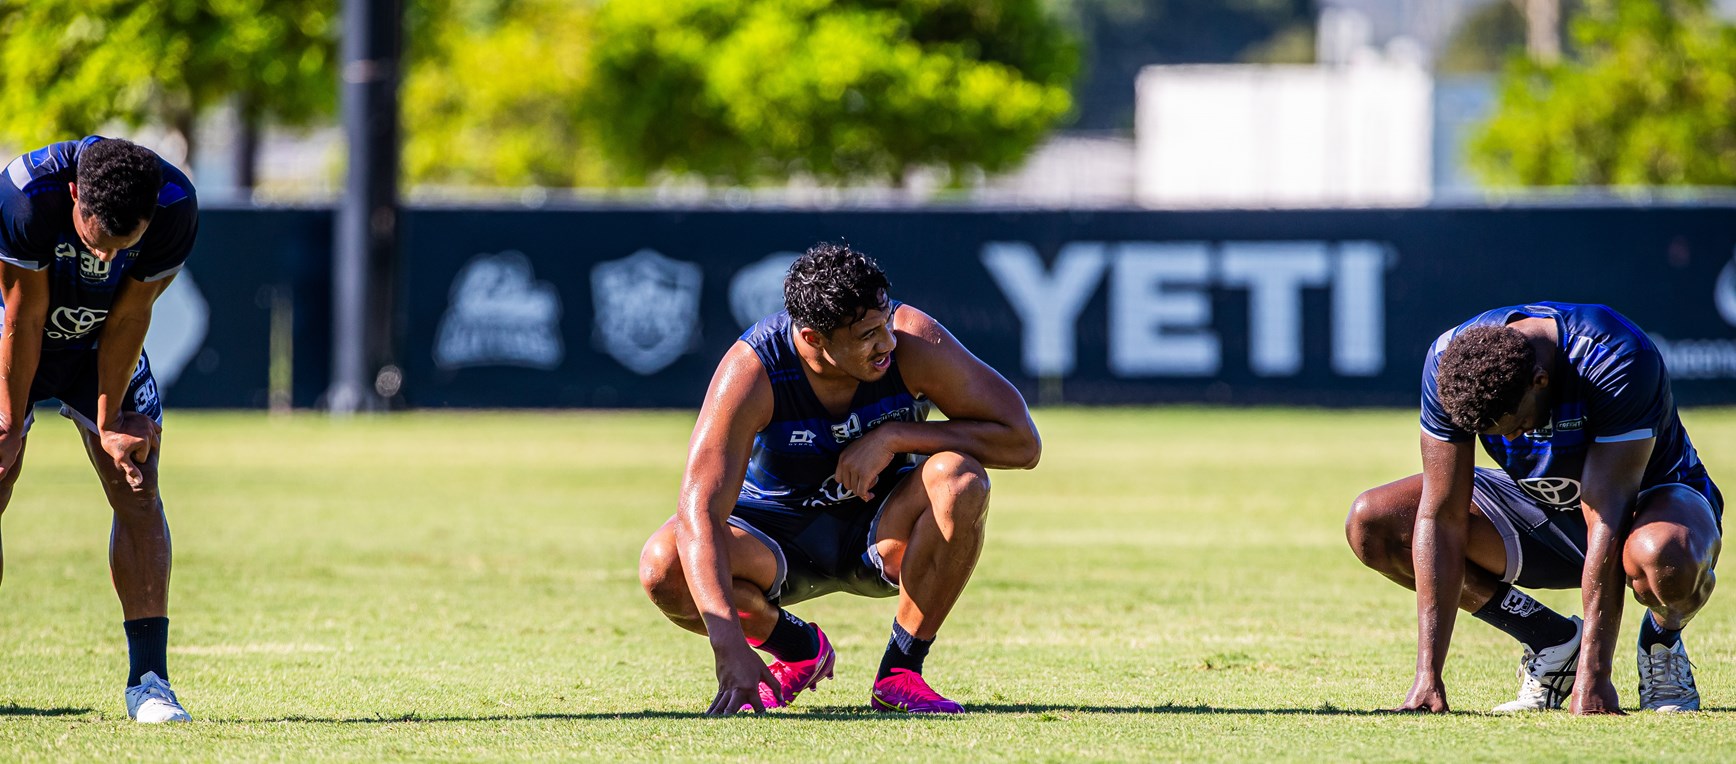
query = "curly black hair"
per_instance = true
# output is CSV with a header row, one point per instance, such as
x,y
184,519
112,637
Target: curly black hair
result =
x,y
1483,374
118,183
833,285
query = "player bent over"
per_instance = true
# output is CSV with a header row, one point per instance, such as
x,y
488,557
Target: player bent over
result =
x,y
805,476
91,231
1599,487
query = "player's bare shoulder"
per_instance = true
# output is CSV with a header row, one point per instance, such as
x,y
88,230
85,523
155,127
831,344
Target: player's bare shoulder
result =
x,y
927,353
741,390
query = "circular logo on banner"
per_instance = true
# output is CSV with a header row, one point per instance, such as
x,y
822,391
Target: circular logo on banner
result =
x,y
1557,492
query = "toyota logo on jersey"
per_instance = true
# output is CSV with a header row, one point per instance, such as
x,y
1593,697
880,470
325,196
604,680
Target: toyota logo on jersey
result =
x,y
72,323
1557,492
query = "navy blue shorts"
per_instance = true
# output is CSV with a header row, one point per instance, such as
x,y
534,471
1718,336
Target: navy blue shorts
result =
x,y
1546,546
821,550
70,377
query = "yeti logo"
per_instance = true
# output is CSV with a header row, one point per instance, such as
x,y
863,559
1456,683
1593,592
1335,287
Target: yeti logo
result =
x,y
67,323
1557,492
500,315
647,309
91,267
757,291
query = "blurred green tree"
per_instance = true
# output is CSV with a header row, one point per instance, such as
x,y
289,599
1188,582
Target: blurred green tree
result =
x,y
746,90
495,94
1647,97
70,66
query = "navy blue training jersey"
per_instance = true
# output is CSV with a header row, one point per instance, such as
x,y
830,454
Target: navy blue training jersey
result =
x,y
1609,385
796,455
36,232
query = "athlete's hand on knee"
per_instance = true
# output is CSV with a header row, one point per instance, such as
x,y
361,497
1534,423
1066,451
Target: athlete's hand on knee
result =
x,y
1593,696
130,443
1427,696
860,463
740,672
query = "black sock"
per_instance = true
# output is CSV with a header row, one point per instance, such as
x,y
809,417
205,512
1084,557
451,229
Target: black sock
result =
x,y
903,651
792,639
1525,619
1653,634
147,648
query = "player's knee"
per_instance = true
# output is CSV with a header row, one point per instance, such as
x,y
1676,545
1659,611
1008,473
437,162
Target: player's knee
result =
x,y
139,502
1368,529
1663,568
660,571
965,484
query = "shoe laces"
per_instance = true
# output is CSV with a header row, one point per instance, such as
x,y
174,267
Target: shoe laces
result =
x,y
1667,674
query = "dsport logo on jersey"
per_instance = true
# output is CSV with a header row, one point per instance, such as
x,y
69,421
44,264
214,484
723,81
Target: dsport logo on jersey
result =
x,y
72,323
1557,492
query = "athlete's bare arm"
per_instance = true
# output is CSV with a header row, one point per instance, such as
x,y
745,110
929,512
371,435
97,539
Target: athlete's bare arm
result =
x,y
737,406
26,296
986,417
128,439
1613,472
1438,553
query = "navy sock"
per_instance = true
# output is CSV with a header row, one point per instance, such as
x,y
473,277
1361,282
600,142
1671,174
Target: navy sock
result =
x,y
903,651
792,639
147,648
1653,634
1525,619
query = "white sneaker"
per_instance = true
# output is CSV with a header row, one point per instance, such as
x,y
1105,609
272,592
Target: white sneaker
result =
x,y
1667,680
152,702
1546,677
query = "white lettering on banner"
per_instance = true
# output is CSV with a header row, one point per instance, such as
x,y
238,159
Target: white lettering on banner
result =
x,y
1275,273
1048,303
1157,331
1359,309
1160,308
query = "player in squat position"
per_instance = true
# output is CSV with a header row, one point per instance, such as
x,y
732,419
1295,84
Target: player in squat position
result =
x,y
1599,486
91,231
805,477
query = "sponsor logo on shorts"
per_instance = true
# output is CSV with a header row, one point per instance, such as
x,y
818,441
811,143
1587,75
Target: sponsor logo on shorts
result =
x,y
1577,423
1557,492
830,492
1520,604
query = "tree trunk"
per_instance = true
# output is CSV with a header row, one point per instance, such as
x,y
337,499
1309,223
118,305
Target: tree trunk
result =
x,y
1542,29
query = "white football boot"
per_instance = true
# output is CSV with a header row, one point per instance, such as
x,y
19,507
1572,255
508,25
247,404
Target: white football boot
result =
x,y
1667,679
152,702
1546,677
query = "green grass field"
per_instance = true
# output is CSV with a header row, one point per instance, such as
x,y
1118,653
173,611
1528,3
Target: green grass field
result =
x,y
1168,584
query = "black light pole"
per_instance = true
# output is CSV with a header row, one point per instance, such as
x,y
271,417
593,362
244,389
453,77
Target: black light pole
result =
x,y
363,273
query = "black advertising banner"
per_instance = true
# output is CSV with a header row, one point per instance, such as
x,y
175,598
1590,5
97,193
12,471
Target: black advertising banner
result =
x,y
613,307
212,341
